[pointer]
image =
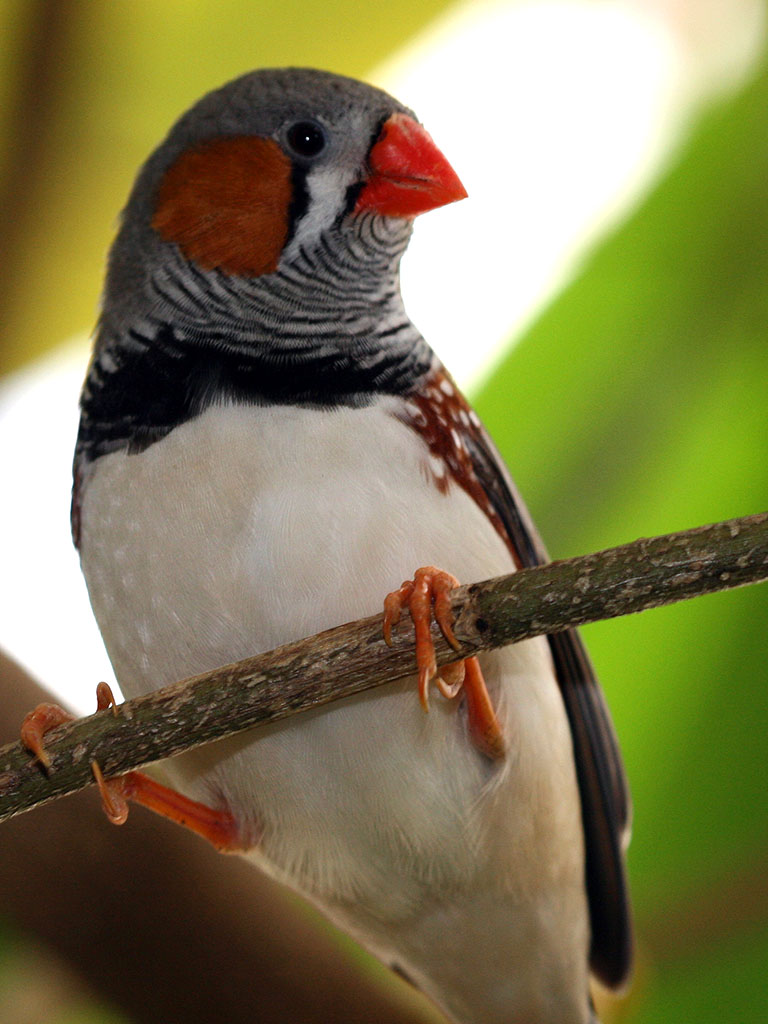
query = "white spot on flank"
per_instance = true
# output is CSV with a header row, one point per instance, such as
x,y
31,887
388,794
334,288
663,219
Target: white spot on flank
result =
x,y
437,465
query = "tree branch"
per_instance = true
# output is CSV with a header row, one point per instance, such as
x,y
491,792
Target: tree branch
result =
x,y
353,657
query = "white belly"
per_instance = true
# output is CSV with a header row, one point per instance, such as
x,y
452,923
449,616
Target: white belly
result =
x,y
249,527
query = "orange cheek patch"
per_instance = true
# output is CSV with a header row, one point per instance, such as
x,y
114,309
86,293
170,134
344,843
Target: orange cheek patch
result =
x,y
225,204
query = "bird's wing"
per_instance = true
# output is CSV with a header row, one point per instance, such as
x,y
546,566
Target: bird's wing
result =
x,y
602,782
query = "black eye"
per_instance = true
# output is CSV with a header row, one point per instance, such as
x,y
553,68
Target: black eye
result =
x,y
306,138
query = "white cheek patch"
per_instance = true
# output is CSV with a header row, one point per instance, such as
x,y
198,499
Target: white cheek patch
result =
x,y
327,187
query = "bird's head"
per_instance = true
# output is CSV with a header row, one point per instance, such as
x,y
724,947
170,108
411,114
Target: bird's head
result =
x,y
276,163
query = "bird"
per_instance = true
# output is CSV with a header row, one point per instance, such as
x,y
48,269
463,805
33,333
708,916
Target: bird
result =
x,y
267,448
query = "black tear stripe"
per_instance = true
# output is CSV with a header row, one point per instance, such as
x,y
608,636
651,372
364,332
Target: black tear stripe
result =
x,y
157,383
299,200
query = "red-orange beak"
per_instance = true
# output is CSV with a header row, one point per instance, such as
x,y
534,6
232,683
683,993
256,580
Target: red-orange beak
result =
x,y
408,173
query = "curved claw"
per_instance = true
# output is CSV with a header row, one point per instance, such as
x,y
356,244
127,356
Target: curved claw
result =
x,y
105,698
451,679
36,724
112,796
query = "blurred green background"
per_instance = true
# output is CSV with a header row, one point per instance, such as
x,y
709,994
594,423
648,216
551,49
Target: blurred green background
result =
x,y
636,404
644,409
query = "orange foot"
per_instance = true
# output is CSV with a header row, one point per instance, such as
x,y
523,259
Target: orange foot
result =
x,y
428,593
218,827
